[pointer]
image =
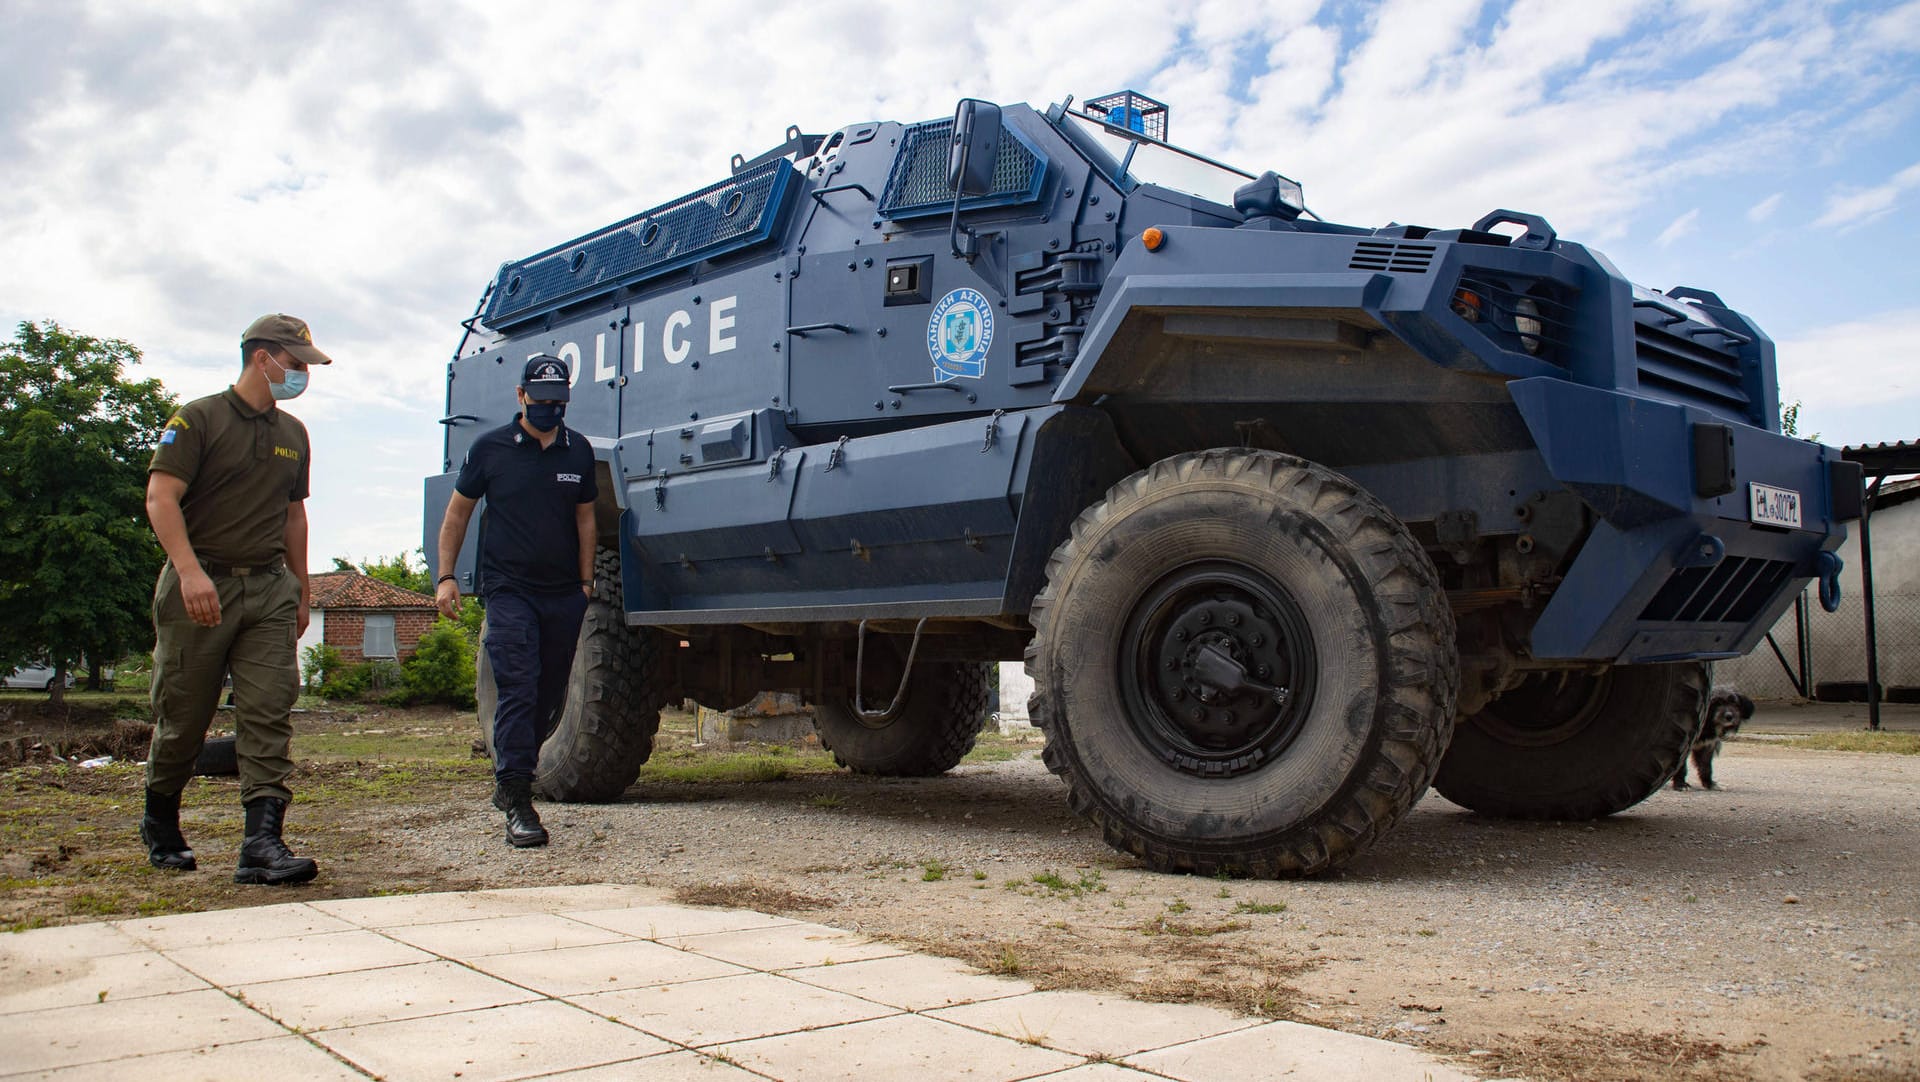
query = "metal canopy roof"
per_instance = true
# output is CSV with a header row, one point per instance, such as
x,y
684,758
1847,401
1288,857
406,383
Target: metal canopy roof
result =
x,y
1885,459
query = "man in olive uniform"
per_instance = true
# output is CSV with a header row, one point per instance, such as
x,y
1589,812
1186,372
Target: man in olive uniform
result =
x,y
536,573
226,495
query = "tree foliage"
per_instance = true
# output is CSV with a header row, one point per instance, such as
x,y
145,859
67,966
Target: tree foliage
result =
x,y
77,559
400,570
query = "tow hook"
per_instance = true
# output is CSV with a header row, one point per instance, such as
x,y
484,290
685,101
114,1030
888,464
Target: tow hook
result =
x,y
1827,566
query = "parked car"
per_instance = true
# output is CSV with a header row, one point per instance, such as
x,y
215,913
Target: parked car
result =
x,y
34,676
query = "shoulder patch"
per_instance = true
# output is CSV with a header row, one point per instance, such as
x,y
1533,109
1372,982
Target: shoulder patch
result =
x,y
179,421
168,435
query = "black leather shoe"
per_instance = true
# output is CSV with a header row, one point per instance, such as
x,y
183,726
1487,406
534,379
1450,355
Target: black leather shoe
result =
x,y
515,797
160,830
264,858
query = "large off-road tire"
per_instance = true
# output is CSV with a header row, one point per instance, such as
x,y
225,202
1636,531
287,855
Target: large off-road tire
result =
x,y
932,730
596,745
1309,585
1571,745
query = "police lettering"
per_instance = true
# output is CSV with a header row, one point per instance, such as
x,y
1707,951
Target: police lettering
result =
x,y
677,336
567,478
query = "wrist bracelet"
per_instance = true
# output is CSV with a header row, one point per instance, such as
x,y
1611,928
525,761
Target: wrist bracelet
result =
x,y
445,578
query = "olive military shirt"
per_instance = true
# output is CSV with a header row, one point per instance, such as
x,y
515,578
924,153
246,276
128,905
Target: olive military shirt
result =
x,y
242,467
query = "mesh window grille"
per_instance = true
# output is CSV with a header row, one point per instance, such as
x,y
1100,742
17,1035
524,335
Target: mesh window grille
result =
x,y
918,184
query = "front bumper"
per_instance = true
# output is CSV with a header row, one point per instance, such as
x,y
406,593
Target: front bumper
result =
x,y
1669,574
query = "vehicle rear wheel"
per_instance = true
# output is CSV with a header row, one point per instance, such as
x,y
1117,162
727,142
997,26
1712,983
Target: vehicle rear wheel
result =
x,y
1573,745
933,728
1244,664
592,750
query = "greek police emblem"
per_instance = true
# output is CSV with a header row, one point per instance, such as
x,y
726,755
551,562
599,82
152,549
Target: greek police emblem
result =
x,y
959,333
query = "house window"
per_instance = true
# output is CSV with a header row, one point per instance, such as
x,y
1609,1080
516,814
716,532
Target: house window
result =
x,y
377,639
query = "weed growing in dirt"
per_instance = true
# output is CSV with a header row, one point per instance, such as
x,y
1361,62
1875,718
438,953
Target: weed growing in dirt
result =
x,y
826,800
1052,884
1006,963
1260,907
1428,932
977,874
1178,905
1164,925
991,747
932,871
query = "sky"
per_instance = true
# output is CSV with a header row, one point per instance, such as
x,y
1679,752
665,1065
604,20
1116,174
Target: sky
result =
x,y
169,171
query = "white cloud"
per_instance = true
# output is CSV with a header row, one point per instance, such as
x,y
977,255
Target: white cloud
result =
x,y
1865,362
173,171
1682,226
1850,208
1764,209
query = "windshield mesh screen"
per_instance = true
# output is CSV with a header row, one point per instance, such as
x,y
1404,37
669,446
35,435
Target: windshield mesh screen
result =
x,y
918,184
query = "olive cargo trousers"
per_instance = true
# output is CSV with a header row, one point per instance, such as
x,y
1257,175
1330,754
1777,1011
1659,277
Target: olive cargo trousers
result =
x,y
257,641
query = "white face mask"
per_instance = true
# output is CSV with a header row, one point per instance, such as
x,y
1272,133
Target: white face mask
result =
x,y
292,382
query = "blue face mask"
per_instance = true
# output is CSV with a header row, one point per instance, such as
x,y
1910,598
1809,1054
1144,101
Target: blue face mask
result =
x,y
292,382
545,416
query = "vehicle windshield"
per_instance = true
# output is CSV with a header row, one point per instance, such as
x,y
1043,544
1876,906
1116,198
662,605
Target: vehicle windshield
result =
x,y
1162,165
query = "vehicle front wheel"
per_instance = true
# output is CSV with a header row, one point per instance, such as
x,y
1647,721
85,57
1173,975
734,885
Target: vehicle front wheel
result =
x,y
1244,664
1576,745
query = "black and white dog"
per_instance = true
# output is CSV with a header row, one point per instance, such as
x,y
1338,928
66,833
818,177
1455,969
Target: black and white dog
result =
x,y
1725,711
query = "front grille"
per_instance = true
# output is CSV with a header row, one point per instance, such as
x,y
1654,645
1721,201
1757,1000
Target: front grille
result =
x,y
918,183
1382,255
1734,591
1690,364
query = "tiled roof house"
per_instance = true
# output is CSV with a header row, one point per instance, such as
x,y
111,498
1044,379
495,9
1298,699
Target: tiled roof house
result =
x,y
363,617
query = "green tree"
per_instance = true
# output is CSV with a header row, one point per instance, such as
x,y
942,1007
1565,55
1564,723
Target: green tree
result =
x,y
400,571
77,559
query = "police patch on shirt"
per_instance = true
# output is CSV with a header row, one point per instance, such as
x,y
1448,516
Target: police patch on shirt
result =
x,y
959,333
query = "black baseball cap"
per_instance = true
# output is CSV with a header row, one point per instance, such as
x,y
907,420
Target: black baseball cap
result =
x,y
545,378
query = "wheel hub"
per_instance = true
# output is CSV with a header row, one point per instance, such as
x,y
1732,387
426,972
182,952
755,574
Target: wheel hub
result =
x,y
1220,657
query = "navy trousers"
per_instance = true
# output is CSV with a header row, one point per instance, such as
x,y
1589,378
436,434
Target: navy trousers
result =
x,y
530,643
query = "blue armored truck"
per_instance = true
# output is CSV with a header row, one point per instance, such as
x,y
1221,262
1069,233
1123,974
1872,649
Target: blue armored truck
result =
x,y
1288,519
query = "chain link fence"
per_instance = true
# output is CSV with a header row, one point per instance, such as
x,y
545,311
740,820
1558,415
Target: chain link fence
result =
x,y
1836,653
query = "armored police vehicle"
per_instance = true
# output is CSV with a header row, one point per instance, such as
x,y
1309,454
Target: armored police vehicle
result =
x,y
1289,519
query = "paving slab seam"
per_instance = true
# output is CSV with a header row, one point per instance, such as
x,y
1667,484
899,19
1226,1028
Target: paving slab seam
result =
x,y
240,998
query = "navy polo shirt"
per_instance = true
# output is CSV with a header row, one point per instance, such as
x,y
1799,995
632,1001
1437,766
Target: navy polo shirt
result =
x,y
528,540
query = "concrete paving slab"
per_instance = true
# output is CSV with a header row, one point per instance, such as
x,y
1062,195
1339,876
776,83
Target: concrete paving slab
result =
x,y
1100,1072
914,982
582,896
280,1057
1095,1025
701,1013
299,956
788,946
82,980
469,939
65,944
518,1041
400,910
233,926
904,1047
367,996
117,1029
671,1067
1291,1050
668,921
577,971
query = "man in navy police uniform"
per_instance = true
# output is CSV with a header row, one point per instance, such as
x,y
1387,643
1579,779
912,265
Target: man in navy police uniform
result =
x,y
536,573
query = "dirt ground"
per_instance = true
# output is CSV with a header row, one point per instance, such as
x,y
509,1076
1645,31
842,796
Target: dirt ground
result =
x,y
1768,930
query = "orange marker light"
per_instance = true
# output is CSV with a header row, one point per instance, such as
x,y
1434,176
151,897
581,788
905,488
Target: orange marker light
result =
x,y
1153,238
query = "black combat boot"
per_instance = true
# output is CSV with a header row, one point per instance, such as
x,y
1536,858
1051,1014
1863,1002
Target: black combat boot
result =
x,y
515,797
264,858
160,829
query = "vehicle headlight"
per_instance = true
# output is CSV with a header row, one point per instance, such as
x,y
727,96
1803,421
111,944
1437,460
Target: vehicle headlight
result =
x,y
1526,323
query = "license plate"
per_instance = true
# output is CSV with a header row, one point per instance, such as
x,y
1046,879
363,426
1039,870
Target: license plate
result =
x,y
1774,506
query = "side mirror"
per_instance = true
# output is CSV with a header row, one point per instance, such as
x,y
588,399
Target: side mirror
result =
x,y
976,143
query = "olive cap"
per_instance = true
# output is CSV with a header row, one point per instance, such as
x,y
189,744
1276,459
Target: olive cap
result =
x,y
289,334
